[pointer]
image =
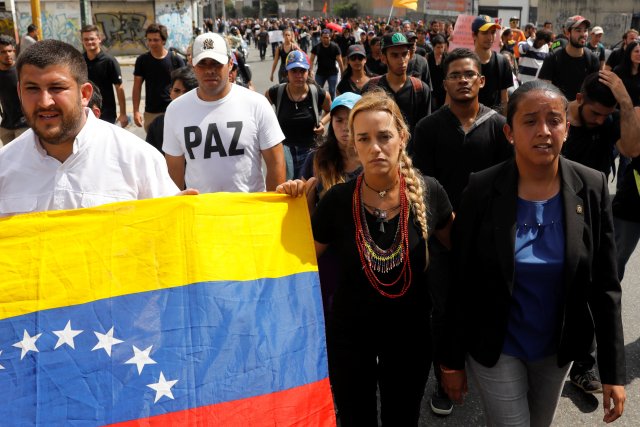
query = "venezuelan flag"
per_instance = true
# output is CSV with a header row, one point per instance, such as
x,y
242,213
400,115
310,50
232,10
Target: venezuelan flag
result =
x,y
193,310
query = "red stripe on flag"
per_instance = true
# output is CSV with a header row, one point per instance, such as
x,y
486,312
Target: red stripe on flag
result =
x,y
307,405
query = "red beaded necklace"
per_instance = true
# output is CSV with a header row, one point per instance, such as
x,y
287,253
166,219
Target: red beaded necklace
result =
x,y
373,258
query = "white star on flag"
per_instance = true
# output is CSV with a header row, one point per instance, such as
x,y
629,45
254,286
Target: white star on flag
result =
x,y
27,344
66,336
106,341
1,367
141,358
162,387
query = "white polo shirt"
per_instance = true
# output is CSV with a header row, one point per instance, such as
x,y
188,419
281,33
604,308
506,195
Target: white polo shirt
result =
x,y
108,164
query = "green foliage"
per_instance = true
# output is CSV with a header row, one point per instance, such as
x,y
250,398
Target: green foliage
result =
x,y
230,8
270,8
250,12
346,10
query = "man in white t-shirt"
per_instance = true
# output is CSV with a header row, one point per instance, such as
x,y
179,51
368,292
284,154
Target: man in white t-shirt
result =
x,y
216,136
69,159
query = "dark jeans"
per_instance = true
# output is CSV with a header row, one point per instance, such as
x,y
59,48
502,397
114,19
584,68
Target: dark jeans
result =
x,y
332,80
263,50
394,356
297,155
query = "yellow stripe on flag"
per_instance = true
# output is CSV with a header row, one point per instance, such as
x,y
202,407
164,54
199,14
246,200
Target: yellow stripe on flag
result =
x,y
60,258
407,4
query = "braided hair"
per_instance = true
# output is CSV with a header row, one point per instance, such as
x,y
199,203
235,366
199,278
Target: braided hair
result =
x,y
379,100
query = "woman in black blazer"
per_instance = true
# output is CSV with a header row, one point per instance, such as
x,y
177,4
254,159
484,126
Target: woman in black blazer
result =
x,y
536,273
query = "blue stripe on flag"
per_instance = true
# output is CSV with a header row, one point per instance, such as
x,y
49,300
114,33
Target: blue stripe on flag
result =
x,y
222,341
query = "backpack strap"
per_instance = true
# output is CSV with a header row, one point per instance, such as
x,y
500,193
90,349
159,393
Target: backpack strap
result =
x,y
314,100
374,81
174,61
417,84
281,88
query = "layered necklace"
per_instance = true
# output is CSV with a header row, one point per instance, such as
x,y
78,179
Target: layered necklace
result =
x,y
299,99
374,259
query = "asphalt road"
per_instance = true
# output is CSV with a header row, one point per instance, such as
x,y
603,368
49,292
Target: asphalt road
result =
x,y
576,408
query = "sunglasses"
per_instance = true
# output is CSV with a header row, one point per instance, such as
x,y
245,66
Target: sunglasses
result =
x,y
356,58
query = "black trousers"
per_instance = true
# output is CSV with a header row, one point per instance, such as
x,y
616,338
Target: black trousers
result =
x,y
395,358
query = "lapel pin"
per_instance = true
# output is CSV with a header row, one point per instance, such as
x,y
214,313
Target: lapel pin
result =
x,y
579,209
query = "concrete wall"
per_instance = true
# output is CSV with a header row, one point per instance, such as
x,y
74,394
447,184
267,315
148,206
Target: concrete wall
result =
x,y
60,20
123,25
122,22
614,16
177,17
7,27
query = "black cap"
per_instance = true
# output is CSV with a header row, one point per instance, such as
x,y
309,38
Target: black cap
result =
x,y
394,39
410,35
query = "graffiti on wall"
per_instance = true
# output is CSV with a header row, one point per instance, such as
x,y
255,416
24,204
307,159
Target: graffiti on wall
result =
x,y
615,24
60,21
121,29
6,24
178,20
123,25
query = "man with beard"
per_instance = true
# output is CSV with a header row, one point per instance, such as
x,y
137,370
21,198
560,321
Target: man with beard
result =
x,y
13,121
567,68
615,58
596,129
460,138
69,159
216,136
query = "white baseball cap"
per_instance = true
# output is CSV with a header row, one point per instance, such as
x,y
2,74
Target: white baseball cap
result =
x,y
210,45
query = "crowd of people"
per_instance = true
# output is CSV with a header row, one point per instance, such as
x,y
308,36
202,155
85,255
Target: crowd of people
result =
x,y
459,199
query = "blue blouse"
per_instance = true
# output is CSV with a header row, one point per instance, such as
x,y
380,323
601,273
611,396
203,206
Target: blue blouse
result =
x,y
537,297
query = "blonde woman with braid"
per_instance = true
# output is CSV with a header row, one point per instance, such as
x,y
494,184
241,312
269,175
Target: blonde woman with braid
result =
x,y
379,328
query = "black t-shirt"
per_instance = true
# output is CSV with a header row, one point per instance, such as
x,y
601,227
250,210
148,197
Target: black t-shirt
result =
x,y
263,37
104,71
419,67
12,117
615,57
297,122
355,299
443,150
344,43
346,85
593,147
413,105
157,79
326,58
631,83
155,135
597,51
567,72
376,66
626,203
437,80
497,77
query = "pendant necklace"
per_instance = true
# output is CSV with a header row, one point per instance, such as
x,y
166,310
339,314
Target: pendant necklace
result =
x,y
381,193
295,101
381,215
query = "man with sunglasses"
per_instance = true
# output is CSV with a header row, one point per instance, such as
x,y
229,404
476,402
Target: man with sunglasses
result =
x,y
458,139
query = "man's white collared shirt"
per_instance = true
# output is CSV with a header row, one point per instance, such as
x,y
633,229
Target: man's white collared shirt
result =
x,y
108,164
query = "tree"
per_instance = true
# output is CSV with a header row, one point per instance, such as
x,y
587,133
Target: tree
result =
x,y
270,8
249,12
346,10
230,8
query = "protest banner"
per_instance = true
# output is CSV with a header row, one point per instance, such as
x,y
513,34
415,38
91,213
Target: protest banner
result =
x,y
463,37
